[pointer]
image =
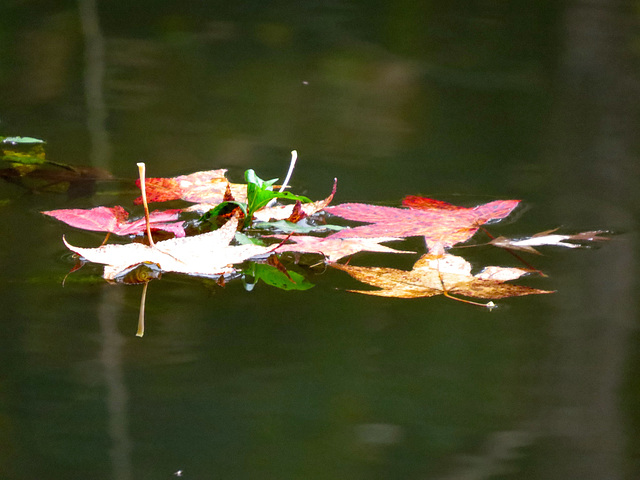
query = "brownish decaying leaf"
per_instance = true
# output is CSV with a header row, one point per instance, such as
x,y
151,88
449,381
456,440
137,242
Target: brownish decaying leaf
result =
x,y
440,274
549,238
297,213
228,194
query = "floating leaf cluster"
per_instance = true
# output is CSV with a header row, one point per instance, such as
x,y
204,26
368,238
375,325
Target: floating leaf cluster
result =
x,y
244,231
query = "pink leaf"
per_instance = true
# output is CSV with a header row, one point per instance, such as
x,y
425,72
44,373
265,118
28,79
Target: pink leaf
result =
x,y
441,227
113,220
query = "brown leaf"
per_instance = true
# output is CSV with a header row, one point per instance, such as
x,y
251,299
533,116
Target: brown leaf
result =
x,y
436,275
228,194
297,214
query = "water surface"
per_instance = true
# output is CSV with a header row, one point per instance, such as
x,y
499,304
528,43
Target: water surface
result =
x,y
463,103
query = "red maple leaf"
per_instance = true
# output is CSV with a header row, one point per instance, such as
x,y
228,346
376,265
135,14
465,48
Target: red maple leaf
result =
x,y
424,203
114,220
441,225
199,187
160,190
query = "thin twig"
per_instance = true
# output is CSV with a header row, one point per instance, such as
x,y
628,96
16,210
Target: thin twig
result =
x,y
446,293
143,189
105,239
292,164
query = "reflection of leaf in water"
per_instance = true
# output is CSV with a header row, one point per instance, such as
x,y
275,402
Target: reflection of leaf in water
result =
x,y
140,273
271,275
76,182
22,150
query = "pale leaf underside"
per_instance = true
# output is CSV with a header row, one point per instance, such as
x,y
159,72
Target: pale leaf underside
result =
x,y
208,254
336,248
550,239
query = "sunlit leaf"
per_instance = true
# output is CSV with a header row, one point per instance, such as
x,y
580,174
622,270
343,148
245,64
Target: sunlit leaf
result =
x,y
441,227
424,203
283,212
335,248
199,187
260,193
114,220
440,275
208,254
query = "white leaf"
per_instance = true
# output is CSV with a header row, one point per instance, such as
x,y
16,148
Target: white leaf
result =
x,y
202,255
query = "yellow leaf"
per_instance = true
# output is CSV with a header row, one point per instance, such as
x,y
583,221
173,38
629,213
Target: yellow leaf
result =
x,y
440,275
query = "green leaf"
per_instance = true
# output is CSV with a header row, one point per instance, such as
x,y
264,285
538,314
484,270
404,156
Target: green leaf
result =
x,y
262,198
274,277
26,151
21,140
260,193
251,178
288,227
244,239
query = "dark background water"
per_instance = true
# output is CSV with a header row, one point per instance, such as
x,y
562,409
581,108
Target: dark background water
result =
x,y
463,101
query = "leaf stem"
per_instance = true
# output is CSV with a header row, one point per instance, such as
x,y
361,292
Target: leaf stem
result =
x,y
143,190
292,164
445,292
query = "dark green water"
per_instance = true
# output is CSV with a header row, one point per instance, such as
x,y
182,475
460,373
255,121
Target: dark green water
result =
x,y
466,103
